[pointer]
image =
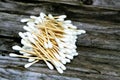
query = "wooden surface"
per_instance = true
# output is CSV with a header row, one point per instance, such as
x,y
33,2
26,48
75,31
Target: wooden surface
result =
x,y
99,48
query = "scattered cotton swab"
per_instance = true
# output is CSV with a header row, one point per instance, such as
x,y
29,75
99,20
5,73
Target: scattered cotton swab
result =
x,y
17,48
49,65
13,55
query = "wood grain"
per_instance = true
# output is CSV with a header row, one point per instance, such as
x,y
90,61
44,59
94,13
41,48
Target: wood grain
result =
x,y
99,48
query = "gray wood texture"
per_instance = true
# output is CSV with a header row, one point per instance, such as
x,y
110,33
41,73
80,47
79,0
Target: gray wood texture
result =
x,y
99,48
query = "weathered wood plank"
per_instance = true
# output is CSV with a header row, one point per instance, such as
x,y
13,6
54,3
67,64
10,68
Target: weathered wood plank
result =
x,y
99,48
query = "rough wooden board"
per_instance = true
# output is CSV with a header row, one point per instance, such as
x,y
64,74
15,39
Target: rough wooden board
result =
x,y
99,48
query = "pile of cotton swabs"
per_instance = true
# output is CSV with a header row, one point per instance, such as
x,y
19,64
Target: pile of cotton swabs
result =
x,y
48,38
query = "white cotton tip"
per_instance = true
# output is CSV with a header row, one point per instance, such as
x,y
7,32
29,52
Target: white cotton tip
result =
x,y
70,47
25,20
63,61
31,39
21,35
27,48
31,60
75,54
60,45
69,56
25,43
42,15
57,56
62,66
66,36
30,24
26,54
22,52
33,17
56,63
61,54
64,39
49,65
50,45
75,37
13,55
35,37
67,60
59,70
39,20
74,27
46,45
60,19
16,47
68,32
73,50
68,22
57,40
74,33
27,28
81,31
50,16
74,46
28,34
71,26
65,26
62,16
68,50
28,65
